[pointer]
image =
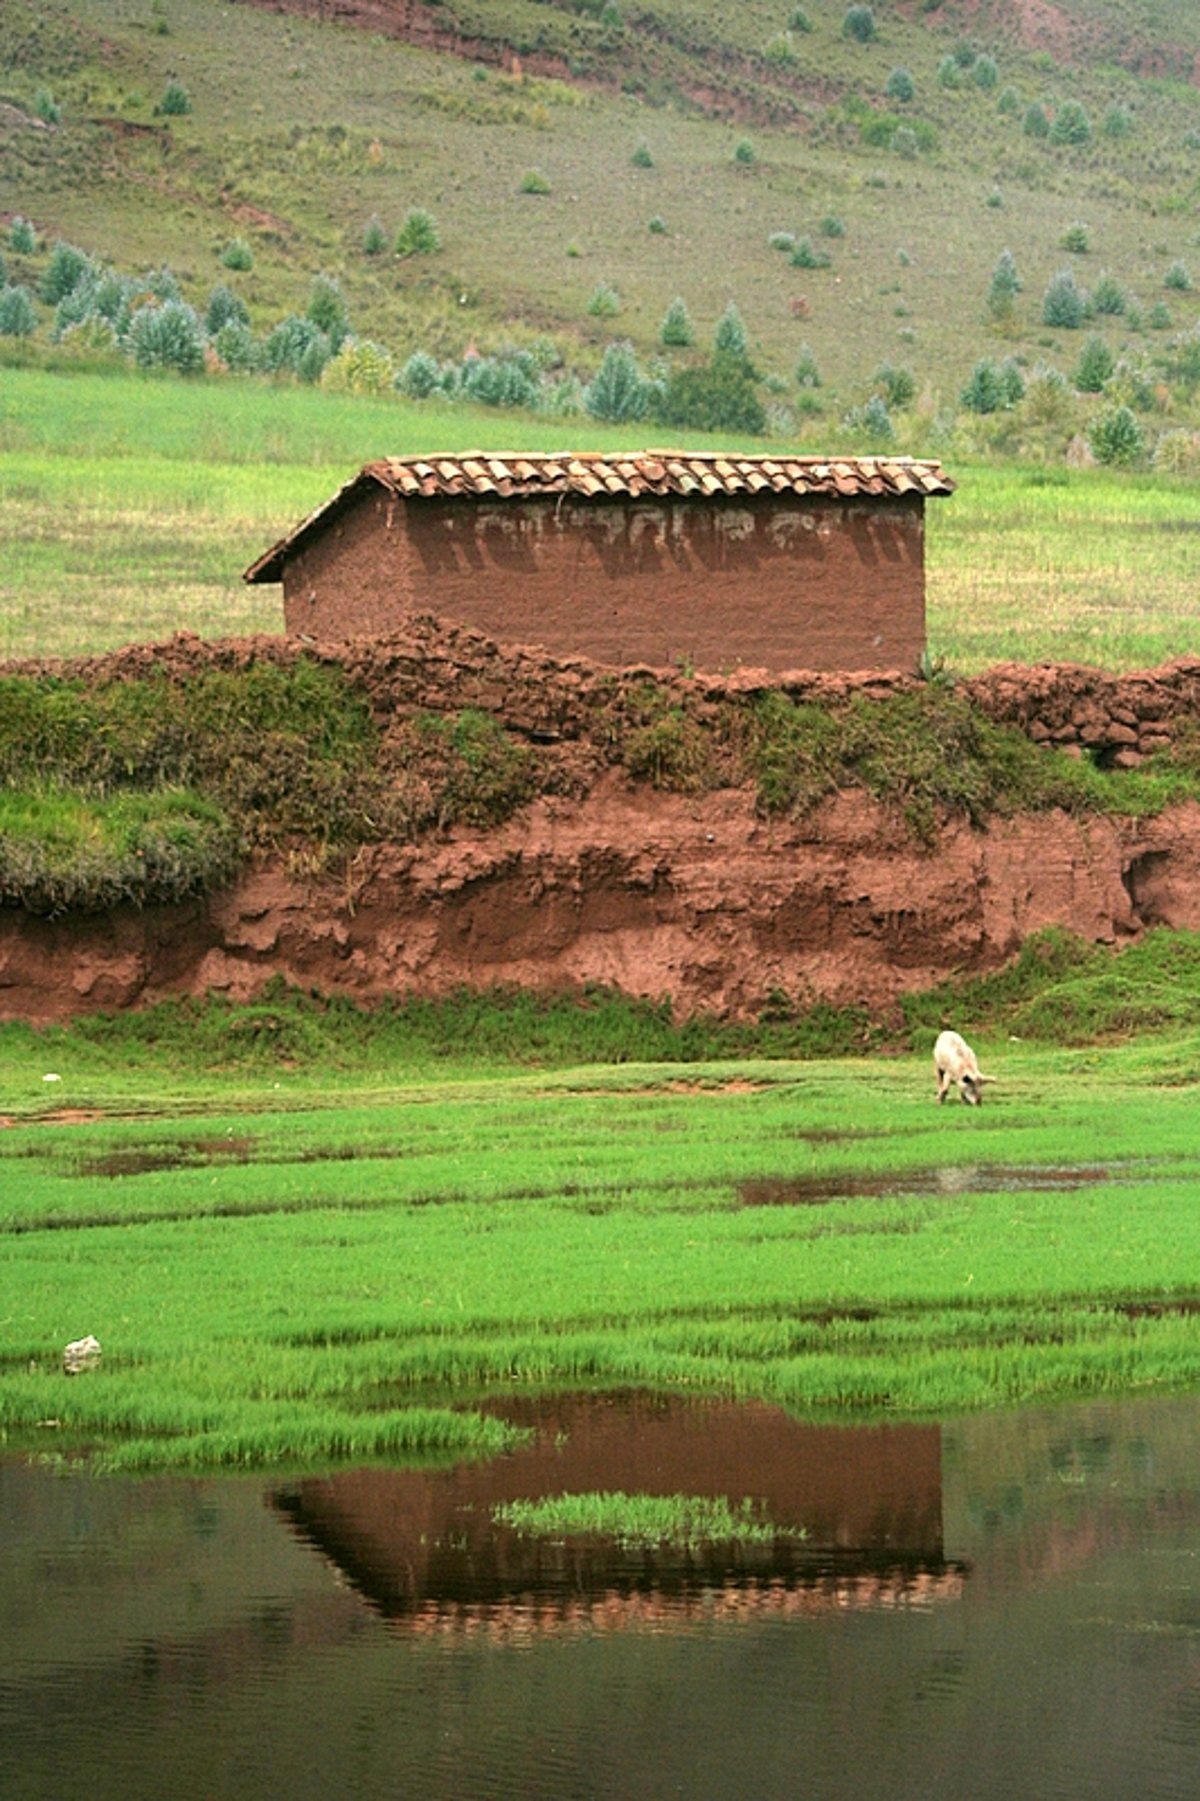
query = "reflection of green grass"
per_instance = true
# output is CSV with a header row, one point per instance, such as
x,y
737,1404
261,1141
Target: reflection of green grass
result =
x,y
638,1522
305,1277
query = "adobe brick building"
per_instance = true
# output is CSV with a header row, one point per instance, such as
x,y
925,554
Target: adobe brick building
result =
x,y
660,557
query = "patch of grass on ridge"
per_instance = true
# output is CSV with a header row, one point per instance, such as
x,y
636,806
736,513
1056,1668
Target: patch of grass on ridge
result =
x,y
64,850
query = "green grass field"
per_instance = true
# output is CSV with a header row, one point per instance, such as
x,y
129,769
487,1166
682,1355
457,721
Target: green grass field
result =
x,y
307,1276
304,1235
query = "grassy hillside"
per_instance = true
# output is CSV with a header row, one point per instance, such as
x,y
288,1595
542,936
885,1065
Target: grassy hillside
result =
x,y
671,142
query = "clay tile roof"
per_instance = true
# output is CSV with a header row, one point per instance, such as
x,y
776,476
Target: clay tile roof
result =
x,y
595,473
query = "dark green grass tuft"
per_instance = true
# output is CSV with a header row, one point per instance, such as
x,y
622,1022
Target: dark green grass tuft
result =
x,y
60,851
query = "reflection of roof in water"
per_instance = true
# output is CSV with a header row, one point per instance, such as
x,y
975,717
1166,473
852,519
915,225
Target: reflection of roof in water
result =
x,y
654,1610
425,1550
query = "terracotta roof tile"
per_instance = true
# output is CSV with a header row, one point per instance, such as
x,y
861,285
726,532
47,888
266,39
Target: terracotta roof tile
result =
x,y
595,473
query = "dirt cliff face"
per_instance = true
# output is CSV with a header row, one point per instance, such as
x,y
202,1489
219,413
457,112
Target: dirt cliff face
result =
x,y
696,898
606,880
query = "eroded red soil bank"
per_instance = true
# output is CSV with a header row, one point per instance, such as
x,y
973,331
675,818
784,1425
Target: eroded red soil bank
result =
x,y
696,897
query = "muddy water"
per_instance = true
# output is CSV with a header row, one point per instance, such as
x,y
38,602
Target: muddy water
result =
x,y
1004,1606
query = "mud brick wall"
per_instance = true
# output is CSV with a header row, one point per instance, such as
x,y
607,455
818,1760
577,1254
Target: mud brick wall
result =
x,y
769,581
1118,719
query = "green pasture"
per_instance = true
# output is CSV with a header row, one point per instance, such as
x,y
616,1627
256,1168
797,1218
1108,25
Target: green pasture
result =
x,y
312,1267
130,506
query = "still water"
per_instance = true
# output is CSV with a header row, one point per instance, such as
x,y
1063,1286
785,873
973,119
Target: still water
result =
x,y
1004,1606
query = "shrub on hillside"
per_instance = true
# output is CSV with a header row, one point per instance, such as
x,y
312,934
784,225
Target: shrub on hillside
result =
x,y
984,389
859,24
22,237
720,395
1004,287
603,302
501,381
1071,124
1108,297
1036,124
805,255
1077,238
223,308
1063,303
743,153
418,236
1178,453
1116,123
175,100
871,423
419,376
169,336
780,50
66,269
18,317
730,335
806,373
642,157
237,255
534,182
46,107
374,238
677,330
360,367
327,311
234,345
618,392
297,347
1116,437
984,73
1177,277
898,386
656,225
1095,365
949,72
900,86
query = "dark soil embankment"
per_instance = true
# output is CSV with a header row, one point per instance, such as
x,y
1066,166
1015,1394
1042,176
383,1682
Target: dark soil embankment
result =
x,y
627,861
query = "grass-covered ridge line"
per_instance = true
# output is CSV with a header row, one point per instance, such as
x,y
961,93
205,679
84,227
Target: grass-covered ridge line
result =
x,y
356,1279
150,786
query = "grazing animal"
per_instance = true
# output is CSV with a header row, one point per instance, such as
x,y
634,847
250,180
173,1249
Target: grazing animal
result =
x,y
955,1066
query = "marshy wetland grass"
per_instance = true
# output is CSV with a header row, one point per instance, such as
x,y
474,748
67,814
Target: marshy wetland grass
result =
x,y
339,1267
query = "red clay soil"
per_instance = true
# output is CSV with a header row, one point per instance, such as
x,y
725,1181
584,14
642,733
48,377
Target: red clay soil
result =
x,y
696,898
610,881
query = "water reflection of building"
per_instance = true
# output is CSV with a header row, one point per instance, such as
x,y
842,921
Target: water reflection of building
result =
x,y
424,1549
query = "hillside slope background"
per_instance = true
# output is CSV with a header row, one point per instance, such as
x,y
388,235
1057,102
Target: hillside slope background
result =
x,y
848,177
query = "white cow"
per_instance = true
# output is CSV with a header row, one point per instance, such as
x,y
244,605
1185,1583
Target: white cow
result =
x,y
954,1065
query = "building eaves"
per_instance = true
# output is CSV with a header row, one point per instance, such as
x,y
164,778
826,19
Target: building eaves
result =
x,y
657,473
